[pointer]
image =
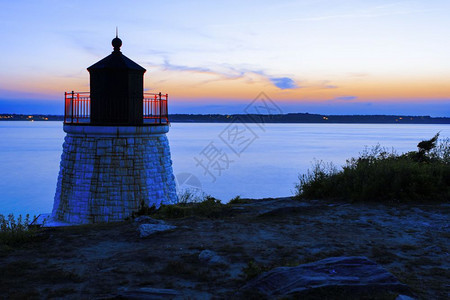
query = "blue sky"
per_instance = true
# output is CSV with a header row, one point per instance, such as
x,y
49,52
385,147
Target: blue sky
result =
x,y
334,57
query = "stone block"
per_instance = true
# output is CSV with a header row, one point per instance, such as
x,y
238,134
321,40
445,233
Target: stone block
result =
x,y
101,151
104,143
120,142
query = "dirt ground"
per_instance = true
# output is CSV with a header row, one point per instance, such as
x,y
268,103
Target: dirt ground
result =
x,y
100,261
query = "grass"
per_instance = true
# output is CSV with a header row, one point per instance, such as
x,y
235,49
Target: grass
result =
x,y
15,232
384,176
208,207
239,200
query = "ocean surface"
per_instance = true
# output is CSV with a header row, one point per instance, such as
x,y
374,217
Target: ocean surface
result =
x,y
221,160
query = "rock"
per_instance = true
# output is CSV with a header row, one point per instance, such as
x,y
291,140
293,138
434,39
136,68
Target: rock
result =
x,y
404,297
149,293
149,229
211,257
147,220
339,277
292,211
281,212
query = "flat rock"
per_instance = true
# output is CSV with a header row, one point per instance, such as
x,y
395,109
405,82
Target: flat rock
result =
x,y
281,212
149,293
339,277
149,229
211,257
404,297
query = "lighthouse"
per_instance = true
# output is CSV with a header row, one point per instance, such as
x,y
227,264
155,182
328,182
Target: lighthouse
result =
x,y
116,155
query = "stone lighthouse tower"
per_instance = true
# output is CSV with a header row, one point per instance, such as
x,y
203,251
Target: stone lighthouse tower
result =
x,y
116,154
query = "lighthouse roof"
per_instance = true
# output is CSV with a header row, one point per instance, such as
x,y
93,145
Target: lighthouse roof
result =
x,y
116,60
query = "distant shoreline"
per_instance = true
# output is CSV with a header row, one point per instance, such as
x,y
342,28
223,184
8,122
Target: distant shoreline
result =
x,y
275,118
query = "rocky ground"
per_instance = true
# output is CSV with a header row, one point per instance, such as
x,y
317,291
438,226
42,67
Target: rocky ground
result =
x,y
112,261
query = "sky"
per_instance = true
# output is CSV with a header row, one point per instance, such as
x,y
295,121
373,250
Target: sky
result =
x,y
316,56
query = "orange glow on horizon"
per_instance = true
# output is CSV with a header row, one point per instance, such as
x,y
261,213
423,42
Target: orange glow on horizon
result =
x,y
205,86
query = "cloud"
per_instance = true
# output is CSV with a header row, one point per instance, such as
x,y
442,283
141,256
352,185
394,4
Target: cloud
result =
x,y
171,67
346,98
325,84
223,73
318,85
284,83
229,72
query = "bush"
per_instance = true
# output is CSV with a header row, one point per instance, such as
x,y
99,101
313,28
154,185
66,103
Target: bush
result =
x,y
382,175
441,152
190,195
239,200
15,232
144,210
209,207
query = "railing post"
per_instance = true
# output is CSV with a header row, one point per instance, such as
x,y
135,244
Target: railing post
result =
x,y
167,108
154,109
65,106
160,107
83,107
77,105
83,101
71,100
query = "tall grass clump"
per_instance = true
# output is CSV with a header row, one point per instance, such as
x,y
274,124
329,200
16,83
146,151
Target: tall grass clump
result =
x,y
379,174
190,195
14,231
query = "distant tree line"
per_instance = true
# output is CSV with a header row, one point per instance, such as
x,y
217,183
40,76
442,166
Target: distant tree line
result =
x,y
275,118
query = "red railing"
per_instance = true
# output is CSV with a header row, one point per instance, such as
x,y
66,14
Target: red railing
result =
x,y
77,108
155,108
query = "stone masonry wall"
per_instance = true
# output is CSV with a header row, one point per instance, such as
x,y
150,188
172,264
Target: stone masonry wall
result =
x,y
105,178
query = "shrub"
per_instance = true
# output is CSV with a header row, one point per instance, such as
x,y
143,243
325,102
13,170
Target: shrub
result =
x,y
186,198
209,207
239,200
144,210
317,182
15,232
382,175
190,195
441,152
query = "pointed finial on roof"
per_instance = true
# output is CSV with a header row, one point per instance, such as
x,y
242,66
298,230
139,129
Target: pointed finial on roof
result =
x,y
116,42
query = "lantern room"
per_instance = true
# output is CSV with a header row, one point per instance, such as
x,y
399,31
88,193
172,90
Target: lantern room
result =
x,y
116,95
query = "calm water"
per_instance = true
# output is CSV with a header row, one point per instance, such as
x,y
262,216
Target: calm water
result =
x,y
253,161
